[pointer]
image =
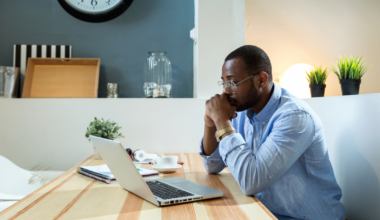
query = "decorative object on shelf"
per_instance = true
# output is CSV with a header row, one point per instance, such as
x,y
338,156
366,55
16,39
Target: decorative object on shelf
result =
x,y
21,54
294,80
317,81
350,71
112,90
62,78
95,10
104,129
158,76
9,78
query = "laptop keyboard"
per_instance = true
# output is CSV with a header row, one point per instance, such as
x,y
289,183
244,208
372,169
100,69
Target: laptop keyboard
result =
x,y
166,191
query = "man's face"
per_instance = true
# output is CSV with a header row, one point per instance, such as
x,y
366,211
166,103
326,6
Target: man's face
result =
x,y
246,95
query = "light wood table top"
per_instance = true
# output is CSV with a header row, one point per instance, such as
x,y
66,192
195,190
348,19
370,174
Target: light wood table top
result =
x,y
74,196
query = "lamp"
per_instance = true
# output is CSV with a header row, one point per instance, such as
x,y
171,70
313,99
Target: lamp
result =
x,y
294,80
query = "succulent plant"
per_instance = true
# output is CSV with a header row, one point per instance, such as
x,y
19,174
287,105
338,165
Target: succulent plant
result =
x,y
317,75
104,129
349,68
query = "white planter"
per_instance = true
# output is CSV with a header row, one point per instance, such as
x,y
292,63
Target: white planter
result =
x,y
97,155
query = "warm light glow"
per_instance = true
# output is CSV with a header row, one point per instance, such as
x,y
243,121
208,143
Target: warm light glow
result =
x,y
294,80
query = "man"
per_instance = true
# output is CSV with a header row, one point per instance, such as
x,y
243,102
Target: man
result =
x,y
278,152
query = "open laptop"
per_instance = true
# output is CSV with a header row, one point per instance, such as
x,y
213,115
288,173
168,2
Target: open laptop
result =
x,y
160,192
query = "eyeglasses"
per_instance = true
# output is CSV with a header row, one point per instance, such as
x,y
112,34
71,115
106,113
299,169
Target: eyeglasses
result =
x,y
231,86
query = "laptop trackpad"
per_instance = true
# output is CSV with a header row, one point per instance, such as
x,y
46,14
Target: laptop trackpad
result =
x,y
190,186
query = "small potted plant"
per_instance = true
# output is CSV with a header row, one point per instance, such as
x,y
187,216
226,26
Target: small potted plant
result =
x,y
349,71
104,129
317,81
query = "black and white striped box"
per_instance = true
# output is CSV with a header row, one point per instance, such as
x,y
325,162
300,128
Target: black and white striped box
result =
x,y
22,52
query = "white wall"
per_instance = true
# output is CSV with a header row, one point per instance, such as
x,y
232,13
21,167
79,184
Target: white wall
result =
x,y
317,32
48,134
194,36
352,128
221,29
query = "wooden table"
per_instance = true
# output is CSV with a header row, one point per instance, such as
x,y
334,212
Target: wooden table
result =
x,y
74,196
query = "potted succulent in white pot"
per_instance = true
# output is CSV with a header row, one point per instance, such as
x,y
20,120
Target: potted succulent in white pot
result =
x,y
350,71
317,81
104,129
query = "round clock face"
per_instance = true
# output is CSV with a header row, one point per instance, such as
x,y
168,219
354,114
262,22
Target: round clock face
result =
x,y
93,6
95,10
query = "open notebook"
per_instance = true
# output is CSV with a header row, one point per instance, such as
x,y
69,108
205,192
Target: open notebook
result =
x,y
103,173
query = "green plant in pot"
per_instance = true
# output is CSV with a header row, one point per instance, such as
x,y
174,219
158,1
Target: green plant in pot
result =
x,y
350,71
317,81
104,129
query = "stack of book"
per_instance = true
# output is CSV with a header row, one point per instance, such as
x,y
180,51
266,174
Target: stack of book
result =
x,y
103,173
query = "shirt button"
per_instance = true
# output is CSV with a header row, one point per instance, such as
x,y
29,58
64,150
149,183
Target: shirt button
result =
x,y
263,123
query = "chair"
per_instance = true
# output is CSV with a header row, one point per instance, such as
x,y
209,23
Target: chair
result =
x,y
16,182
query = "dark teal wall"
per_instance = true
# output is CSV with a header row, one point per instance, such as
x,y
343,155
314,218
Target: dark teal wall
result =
x,y
122,44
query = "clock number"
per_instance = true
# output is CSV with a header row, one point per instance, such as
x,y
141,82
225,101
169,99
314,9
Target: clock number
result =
x,y
94,1
108,2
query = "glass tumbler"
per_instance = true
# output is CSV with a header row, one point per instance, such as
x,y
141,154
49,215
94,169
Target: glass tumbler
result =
x,y
112,90
7,81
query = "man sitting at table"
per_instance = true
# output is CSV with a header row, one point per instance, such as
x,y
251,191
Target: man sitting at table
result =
x,y
274,146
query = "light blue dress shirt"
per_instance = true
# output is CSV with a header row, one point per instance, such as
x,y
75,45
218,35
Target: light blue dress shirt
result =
x,y
280,156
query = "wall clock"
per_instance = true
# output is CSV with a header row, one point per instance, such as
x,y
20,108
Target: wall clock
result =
x,y
95,10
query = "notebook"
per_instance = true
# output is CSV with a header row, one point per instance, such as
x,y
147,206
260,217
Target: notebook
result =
x,y
103,173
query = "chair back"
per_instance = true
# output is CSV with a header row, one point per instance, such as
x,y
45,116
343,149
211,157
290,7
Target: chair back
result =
x,y
15,180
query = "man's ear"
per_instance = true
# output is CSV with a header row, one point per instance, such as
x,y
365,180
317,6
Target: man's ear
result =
x,y
263,80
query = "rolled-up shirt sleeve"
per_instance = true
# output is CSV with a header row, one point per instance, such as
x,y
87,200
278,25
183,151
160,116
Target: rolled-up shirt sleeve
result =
x,y
213,163
291,134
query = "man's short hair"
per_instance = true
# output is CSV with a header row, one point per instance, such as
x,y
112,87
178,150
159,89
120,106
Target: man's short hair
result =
x,y
255,59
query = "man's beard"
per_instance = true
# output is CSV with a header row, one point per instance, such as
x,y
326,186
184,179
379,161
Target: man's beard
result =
x,y
252,97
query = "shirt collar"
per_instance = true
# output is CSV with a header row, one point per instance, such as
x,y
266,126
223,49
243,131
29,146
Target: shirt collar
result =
x,y
266,113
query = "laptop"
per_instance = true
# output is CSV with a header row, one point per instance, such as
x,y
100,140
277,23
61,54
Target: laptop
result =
x,y
160,192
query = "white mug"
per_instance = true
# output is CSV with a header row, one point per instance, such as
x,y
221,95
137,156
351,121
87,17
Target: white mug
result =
x,y
166,161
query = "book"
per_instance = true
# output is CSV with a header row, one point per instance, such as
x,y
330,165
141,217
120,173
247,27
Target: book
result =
x,y
104,174
97,177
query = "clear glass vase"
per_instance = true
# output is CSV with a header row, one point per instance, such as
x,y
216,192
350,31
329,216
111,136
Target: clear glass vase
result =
x,y
157,76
